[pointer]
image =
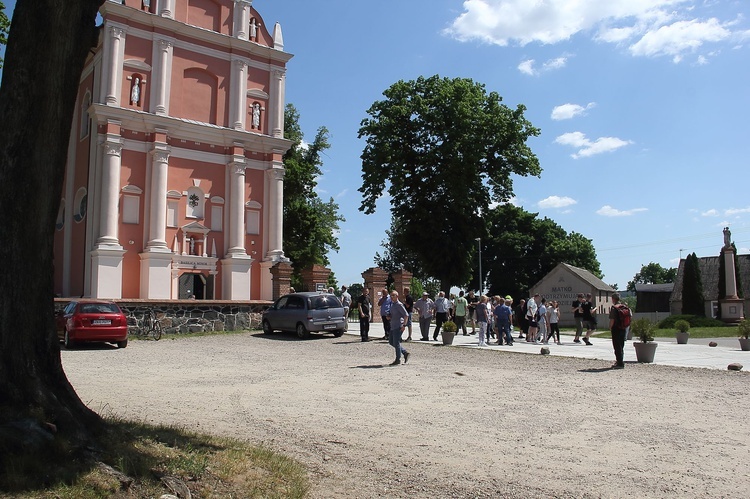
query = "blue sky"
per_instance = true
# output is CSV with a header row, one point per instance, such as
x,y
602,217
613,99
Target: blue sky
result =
x,y
643,107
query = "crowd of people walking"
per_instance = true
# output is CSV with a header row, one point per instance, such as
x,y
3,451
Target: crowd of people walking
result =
x,y
493,318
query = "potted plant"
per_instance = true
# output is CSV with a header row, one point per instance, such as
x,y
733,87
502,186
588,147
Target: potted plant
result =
x,y
448,332
682,334
646,348
744,329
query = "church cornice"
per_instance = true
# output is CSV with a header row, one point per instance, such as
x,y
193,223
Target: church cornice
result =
x,y
121,13
189,130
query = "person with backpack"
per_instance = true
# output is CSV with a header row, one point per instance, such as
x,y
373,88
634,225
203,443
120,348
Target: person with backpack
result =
x,y
619,321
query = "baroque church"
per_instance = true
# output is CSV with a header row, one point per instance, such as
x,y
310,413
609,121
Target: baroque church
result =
x,y
174,178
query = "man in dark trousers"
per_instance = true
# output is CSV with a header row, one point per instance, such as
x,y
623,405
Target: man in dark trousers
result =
x,y
618,332
363,306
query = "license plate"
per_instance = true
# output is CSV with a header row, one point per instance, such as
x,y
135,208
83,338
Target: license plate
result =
x,y
329,326
101,322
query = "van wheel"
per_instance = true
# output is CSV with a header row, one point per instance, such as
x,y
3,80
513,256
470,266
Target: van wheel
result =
x,y
338,334
302,333
267,327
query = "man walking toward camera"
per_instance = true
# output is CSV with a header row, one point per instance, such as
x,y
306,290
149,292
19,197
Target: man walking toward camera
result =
x,y
398,319
617,328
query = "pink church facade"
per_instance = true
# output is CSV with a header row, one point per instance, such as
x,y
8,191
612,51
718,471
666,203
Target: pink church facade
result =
x,y
174,179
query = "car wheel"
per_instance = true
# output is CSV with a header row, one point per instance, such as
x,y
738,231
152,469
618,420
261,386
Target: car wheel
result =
x,y
267,329
67,341
122,344
302,333
339,333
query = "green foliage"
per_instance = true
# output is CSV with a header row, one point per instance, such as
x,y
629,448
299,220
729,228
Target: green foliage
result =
x,y
522,248
682,326
693,302
743,329
310,224
693,320
653,273
450,327
4,28
443,149
643,329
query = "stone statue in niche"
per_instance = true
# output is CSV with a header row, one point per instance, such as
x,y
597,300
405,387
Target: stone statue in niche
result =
x,y
135,92
256,116
254,25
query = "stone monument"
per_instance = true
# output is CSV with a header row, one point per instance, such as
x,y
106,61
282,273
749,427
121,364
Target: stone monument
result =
x,y
732,306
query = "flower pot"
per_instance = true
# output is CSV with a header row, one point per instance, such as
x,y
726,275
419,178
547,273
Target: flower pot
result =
x,y
682,338
644,352
745,344
447,337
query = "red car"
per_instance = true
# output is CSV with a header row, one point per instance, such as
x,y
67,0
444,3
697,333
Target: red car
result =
x,y
92,320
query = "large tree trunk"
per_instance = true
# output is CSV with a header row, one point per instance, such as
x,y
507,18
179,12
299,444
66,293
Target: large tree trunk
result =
x,y
47,48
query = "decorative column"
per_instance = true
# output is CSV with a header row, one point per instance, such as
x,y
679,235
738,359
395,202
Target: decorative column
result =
x,y
156,259
236,267
315,278
282,279
241,18
276,102
157,234
110,194
115,55
162,78
107,255
166,8
375,280
401,280
732,306
237,206
275,230
238,94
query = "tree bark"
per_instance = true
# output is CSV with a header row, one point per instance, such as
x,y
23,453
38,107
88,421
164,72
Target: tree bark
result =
x,y
47,48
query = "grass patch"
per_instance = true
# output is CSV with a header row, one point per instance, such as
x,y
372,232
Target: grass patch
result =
x,y
695,332
141,461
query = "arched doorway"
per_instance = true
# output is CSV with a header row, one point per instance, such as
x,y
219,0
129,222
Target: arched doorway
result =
x,y
195,285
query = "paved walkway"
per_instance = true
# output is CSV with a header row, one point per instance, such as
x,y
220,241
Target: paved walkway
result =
x,y
696,353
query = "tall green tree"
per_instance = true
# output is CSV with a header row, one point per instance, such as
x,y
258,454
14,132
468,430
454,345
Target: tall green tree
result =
x,y
653,273
520,249
46,52
310,224
693,302
443,149
4,27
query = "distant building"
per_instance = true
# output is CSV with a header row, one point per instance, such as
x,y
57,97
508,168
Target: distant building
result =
x,y
564,283
653,297
709,269
174,179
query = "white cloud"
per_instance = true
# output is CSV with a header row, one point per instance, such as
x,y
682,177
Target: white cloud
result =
x,y
527,67
608,211
342,194
587,147
568,111
650,28
679,38
736,211
710,213
556,202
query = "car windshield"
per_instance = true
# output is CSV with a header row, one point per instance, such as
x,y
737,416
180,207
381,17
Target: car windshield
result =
x,y
99,308
323,302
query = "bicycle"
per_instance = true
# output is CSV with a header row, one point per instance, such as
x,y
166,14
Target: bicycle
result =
x,y
150,326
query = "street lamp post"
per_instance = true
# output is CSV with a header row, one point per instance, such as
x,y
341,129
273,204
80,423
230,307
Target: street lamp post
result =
x,y
481,281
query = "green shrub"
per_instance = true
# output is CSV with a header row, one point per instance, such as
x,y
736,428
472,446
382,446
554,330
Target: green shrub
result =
x,y
643,329
744,329
682,326
693,320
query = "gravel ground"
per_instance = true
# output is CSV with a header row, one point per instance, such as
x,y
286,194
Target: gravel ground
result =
x,y
453,422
